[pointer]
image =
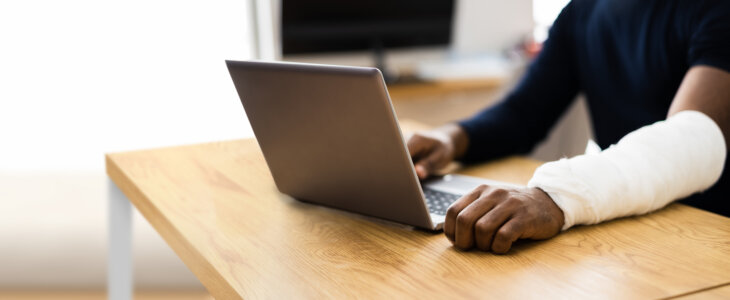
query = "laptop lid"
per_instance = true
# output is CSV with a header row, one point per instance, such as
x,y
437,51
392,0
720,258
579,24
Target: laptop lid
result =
x,y
330,136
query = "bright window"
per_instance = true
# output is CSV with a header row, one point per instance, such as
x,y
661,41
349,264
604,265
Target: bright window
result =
x,y
545,12
81,78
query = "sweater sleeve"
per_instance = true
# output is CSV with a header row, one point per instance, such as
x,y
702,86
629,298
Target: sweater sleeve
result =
x,y
710,37
523,118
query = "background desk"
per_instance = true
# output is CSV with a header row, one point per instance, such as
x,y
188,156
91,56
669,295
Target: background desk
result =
x,y
216,205
435,103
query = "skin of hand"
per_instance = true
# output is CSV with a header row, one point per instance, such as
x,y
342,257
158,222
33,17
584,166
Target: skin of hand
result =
x,y
491,218
433,150
488,218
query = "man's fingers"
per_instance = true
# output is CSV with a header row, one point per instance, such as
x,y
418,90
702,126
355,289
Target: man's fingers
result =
x,y
421,171
457,207
487,226
493,218
467,218
417,144
421,150
508,234
431,163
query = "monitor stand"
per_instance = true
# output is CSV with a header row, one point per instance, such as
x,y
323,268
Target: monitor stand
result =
x,y
379,57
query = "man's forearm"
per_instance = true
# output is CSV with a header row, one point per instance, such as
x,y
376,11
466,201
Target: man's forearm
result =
x,y
645,171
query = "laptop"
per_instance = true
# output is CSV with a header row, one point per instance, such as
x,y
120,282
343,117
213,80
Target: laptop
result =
x,y
330,136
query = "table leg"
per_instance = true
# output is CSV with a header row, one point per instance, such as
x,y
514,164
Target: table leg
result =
x,y
119,260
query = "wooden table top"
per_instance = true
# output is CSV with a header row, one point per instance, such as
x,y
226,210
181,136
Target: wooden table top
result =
x,y
715,293
217,207
412,91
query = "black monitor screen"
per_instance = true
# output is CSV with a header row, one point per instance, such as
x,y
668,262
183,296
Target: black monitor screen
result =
x,y
310,26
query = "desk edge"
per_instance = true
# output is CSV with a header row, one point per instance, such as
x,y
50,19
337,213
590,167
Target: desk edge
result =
x,y
214,282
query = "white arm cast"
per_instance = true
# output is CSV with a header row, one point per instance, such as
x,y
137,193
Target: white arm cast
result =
x,y
644,171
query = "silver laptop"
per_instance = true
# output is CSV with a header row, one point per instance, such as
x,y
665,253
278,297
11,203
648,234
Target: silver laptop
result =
x,y
330,136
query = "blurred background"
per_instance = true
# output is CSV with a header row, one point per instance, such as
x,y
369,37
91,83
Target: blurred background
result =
x,y
82,78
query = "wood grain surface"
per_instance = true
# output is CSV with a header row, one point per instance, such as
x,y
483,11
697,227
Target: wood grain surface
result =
x,y
436,104
217,207
408,92
718,293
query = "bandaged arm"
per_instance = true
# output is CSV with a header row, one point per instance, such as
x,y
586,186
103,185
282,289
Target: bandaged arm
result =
x,y
646,170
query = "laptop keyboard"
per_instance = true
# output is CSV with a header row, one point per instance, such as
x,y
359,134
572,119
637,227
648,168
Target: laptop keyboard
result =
x,y
438,202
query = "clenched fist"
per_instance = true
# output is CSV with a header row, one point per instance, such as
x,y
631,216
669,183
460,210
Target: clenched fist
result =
x,y
491,218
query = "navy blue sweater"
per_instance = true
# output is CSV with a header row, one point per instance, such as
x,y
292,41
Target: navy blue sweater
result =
x,y
628,57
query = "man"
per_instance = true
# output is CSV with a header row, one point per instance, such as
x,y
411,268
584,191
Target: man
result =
x,y
656,75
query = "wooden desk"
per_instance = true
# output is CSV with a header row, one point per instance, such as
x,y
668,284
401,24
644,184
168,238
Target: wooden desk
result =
x,y
716,293
440,102
217,207
414,91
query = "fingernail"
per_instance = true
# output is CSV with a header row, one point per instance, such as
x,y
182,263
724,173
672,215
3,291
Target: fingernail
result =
x,y
420,171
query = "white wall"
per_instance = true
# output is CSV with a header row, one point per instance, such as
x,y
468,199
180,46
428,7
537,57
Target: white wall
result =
x,y
80,78
544,13
491,26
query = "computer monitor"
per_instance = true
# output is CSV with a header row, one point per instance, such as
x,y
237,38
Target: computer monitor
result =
x,y
314,29
313,26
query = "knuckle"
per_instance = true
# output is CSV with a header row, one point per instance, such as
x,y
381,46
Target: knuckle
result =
x,y
453,210
463,219
475,193
514,202
483,227
504,234
497,193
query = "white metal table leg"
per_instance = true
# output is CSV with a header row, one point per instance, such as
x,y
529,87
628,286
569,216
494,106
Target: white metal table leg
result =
x,y
119,260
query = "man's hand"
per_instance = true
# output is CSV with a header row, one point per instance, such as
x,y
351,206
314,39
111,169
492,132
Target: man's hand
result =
x,y
433,150
492,218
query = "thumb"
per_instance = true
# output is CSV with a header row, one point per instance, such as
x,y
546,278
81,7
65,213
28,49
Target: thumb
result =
x,y
429,164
